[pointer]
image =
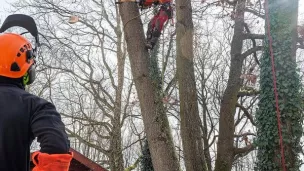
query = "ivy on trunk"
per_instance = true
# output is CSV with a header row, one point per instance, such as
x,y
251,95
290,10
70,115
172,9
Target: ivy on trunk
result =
x,y
283,30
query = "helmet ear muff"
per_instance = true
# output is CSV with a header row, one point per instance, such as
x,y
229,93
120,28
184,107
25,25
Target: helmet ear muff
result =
x,y
30,76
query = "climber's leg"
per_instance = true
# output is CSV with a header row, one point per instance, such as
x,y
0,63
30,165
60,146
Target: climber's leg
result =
x,y
155,28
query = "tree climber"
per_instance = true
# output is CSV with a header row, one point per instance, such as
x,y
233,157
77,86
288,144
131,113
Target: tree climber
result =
x,y
24,116
156,24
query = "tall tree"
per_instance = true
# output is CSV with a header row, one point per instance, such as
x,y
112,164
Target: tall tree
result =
x,y
149,92
226,150
189,114
281,25
116,158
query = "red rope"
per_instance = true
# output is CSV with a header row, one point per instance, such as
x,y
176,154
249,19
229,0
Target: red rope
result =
x,y
275,86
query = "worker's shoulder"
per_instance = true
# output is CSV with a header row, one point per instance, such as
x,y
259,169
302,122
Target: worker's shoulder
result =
x,y
31,99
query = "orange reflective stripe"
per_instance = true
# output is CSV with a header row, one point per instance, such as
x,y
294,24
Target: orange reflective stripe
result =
x,y
164,1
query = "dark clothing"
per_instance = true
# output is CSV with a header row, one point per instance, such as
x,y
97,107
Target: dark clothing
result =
x,y
23,117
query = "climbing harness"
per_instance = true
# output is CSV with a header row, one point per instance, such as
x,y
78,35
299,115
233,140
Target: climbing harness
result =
x,y
275,86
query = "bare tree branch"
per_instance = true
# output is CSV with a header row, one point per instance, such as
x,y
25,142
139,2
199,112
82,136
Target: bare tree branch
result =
x,y
256,13
253,36
244,150
251,51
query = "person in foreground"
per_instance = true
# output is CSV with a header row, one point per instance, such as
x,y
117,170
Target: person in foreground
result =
x,y
24,116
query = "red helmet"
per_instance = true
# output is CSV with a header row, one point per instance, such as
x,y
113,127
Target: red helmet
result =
x,y
16,55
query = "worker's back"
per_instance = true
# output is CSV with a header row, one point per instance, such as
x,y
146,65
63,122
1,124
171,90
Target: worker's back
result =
x,y
14,128
22,116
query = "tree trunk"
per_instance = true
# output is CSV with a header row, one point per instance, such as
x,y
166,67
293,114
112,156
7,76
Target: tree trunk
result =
x,y
154,116
205,133
191,132
116,156
282,19
225,149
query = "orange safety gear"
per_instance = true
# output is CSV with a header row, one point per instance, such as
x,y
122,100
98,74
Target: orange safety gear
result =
x,y
51,162
148,3
164,1
16,55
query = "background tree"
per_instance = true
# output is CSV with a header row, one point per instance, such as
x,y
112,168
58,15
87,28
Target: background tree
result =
x,y
149,93
281,25
226,150
89,104
189,114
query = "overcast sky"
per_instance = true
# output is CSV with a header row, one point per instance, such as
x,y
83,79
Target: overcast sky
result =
x,y
4,6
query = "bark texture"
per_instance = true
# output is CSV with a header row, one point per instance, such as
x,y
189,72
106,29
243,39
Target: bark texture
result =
x,y
225,155
154,117
191,132
116,156
282,17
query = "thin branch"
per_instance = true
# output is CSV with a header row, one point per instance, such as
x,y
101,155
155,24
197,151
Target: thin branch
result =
x,y
251,51
300,46
213,140
106,152
301,40
240,152
253,43
232,3
253,36
256,13
245,134
248,115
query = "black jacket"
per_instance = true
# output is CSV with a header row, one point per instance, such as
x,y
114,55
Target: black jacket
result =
x,y
23,117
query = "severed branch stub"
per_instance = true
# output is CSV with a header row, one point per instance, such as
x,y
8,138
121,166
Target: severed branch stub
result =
x,y
300,30
247,91
250,77
73,19
301,43
240,152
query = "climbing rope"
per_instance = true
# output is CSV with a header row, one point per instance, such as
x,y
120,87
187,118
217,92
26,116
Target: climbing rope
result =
x,y
275,86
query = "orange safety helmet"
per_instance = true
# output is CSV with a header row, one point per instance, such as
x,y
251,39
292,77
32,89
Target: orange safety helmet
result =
x,y
16,55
